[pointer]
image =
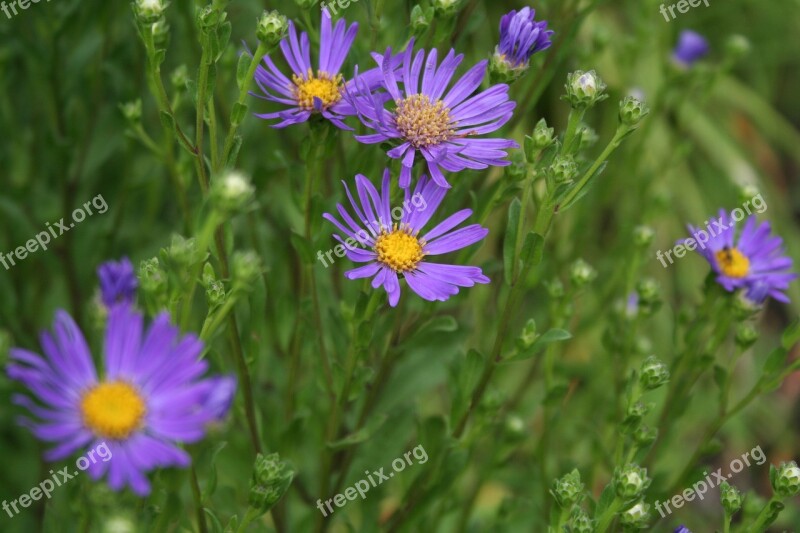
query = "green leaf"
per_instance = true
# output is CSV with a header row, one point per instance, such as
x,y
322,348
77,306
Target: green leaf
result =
x,y
302,247
361,435
242,68
553,335
774,363
211,485
791,335
237,113
532,248
510,261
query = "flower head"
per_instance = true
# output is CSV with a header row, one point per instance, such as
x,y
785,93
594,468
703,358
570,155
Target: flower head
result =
x,y
521,37
149,398
691,47
432,121
754,261
118,282
397,249
309,91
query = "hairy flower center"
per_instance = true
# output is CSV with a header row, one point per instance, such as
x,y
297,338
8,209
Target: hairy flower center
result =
x,y
423,123
113,409
733,263
399,249
323,86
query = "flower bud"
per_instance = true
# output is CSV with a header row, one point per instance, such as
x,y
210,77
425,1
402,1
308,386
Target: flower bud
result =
x,y
737,46
209,17
643,236
528,336
584,89
581,273
271,29
160,32
648,290
420,20
149,11
632,111
744,307
271,480
564,169
246,269
654,373
785,479
730,497
179,78
232,192
579,522
630,482
747,193
132,111
746,335
542,135
644,435
555,289
153,282
515,427
587,135
637,517
502,71
446,8
568,490
183,253
119,524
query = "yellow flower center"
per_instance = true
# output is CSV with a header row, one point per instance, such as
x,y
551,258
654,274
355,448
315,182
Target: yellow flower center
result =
x,y
423,123
733,263
323,86
113,409
399,249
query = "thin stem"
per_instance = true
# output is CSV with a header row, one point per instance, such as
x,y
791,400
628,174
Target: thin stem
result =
x,y
198,501
610,147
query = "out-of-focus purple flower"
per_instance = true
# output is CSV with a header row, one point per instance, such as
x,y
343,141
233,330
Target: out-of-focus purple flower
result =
x,y
118,282
150,399
521,36
682,529
755,261
690,48
429,120
394,249
221,391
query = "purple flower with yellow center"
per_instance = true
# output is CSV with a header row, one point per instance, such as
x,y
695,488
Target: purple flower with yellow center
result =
x,y
394,249
150,399
118,282
755,261
309,91
521,37
429,119
691,47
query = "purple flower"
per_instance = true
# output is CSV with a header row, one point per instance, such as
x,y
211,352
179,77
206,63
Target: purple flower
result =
x,y
150,398
394,249
691,47
118,282
309,92
429,119
754,262
521,36
223,390
682,529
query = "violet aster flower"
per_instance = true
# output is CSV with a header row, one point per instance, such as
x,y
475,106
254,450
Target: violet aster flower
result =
x,y
682,529
309,92
521,37
150,398
754,262
691,47
118,282
395,249
429,119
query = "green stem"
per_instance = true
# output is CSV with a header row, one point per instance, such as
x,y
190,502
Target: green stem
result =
x,y
762,521
608,516
202,86
610,147
575,117
198,501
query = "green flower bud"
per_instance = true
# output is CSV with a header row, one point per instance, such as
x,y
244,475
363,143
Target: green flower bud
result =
x,y
632,111
731,498
785,479
153,282
630,482
648,290
746,335
743,307
638,410
643,236
579,522
246,269
182,253
179,78
272,27
132,111
446,8
528,336
502,71
232,192
160,32
581,273
564,169
542,135
637,517
119,524
149,11
644,435
654,373
568,490
420,20
271,480
737,46
584,89
209,17
215,294
555,289
515,427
